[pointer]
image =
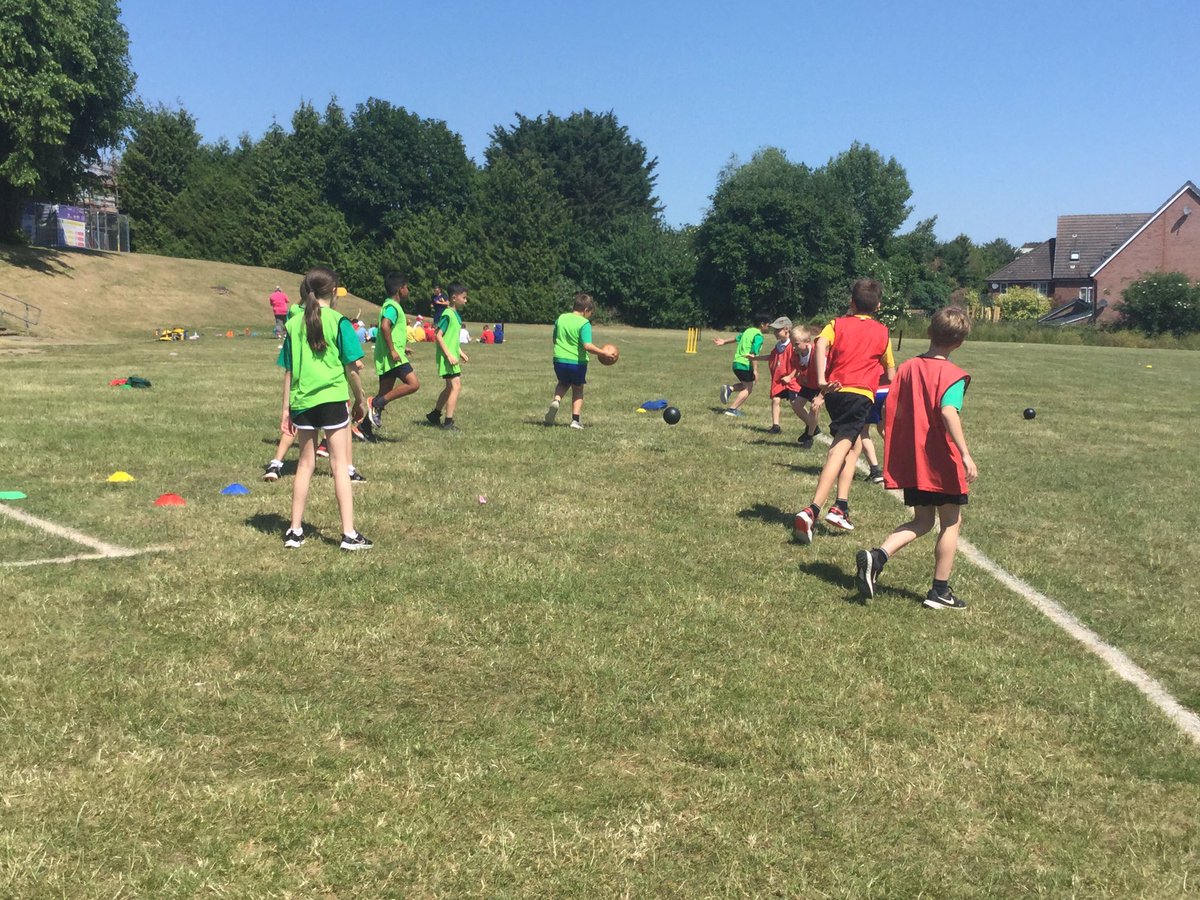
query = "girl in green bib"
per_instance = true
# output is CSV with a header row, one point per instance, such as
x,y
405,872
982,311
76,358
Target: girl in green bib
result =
x,y
321,356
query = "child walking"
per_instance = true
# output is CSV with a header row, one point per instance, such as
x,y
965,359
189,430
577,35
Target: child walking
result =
x,y
925,454
853,355
396,376
572,344
320,359
450,357
745,373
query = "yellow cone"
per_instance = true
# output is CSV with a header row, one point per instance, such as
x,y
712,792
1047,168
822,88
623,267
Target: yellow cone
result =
x,y
120,477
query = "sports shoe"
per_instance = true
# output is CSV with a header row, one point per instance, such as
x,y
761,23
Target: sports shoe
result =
x,y
726,393
838,518
875,476
734,412
449,426
934,600
774,429
356,476
577,425
433,417
272,471
802,527
362,434
322,450
373,415
292,539
865,573
358,542
551,412
805,441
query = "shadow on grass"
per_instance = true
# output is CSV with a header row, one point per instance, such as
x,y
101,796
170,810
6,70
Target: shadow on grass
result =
x,y
813,468
275,525
41,259
765,512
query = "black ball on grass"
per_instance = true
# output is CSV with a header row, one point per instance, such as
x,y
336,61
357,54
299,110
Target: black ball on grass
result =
x,y
671,415
1030,412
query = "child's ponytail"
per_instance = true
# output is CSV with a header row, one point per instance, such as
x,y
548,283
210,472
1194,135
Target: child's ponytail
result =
x,y
319,284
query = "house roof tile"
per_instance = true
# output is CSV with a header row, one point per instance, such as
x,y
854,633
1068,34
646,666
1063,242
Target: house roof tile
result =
x,y
1093,238
1036,265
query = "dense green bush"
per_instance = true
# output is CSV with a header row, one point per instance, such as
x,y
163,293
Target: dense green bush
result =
x,y
1162,303
1022,304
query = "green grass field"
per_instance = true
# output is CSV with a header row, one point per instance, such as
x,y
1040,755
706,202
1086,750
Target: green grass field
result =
x,y
618,677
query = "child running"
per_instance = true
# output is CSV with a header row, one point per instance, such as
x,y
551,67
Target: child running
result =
x,y
320,361
450,357
807,390
749,342
781,364
875,417
572,343
396,376
853,354
925,453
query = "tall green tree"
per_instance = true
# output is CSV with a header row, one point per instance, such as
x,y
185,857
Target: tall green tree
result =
x,y
391,164
65,83
154,169
876,190
598,168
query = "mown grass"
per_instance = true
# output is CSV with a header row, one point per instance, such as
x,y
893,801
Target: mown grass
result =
x,y
617,676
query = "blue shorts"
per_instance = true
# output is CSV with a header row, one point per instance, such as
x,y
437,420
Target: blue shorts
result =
x,y
574,374
875,416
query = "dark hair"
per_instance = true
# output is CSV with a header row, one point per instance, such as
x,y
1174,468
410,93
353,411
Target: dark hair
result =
x,y
867,293
319,284
583,303
762,318
455,289
394,282
949,326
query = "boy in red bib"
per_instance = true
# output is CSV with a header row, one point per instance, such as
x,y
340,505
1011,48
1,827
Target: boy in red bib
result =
x,y
926,454
853,354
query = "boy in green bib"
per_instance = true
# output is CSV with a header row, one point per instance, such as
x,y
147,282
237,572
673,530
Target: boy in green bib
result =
x,y
572,344
450,357
749,342
396,376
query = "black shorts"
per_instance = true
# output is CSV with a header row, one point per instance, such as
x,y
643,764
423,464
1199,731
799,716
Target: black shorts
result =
x,y
788,395
401,372
807,393
917,497
330,416
281,320
847,413
745,376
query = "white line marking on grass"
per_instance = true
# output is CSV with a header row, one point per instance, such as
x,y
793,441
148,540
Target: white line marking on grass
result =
x,y
103,550
1124,667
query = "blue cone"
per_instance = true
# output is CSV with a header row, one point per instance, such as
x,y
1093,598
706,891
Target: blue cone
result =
x,y
235,490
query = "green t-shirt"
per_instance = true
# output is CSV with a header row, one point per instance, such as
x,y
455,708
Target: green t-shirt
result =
x,y
294,309
392,312
954,394
319,377
749,343
571,332
450,328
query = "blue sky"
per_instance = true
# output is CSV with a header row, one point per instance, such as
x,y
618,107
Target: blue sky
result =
x,y
1004,115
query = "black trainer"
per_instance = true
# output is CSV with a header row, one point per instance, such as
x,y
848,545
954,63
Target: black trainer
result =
x,y
934,600
293,539
875,476
356,476
272,471
433,418
805,441
774,429
357,542
450,426
865,573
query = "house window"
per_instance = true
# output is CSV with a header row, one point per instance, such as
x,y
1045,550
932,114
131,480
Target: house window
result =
x,y
1074,256
1042,287
1087,294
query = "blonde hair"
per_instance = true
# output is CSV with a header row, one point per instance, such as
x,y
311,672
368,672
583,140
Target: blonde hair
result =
x,y
801,332
949,326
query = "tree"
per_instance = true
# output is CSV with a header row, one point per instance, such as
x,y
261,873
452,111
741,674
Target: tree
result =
x,y
1022,304
391,164
155,168
1162,303
601,172
65,82
877,191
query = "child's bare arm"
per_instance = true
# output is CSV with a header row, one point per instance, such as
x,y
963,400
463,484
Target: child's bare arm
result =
x,y
386,329
356,386
451,358
285,422
821,349
954,428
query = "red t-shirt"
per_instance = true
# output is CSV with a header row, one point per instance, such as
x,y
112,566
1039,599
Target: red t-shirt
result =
x,y
858,356
782,364
918,451
806,373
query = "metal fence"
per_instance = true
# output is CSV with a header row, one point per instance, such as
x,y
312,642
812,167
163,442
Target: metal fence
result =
x,y
59,225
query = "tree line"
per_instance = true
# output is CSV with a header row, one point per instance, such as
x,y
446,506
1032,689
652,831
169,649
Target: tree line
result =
x,y
558,204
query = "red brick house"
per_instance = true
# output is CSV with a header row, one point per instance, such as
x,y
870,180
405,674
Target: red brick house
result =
x,y
1086,266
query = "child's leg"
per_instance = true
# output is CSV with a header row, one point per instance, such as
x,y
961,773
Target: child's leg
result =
x,y
304,471
398,388
576,400
922,521
285,443
950,517
809,415
339,461
835,461
849,470
560,390
450,392
741,391
444,396
774,410
868,448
